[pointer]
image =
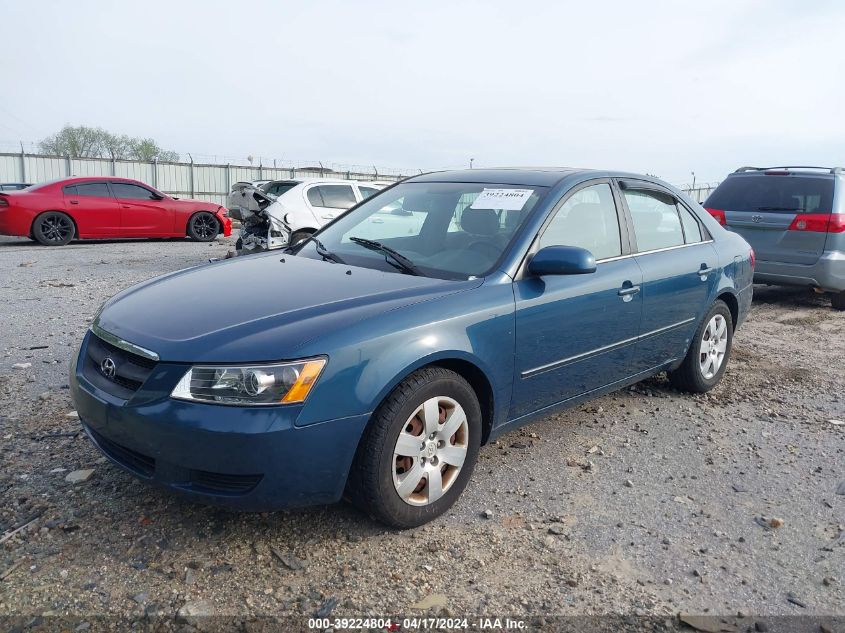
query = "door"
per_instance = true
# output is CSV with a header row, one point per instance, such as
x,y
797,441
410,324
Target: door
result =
x,y
143,212
575,333
94,209
329,201
783,215
679,267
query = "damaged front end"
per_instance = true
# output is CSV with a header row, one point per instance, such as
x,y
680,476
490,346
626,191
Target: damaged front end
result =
x,y
263,227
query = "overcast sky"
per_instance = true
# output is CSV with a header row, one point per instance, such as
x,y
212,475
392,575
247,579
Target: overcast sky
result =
x,y
660,87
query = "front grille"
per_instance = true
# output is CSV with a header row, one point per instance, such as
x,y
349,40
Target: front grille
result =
x,y
130,370
133,460
221,483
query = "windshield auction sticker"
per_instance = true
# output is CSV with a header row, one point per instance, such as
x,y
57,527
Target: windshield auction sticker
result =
x,y
504,199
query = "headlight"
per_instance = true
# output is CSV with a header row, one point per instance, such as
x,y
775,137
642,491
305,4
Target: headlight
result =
x,y
283,383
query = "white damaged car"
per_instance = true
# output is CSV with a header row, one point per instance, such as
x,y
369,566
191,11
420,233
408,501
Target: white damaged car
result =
x,y
284,212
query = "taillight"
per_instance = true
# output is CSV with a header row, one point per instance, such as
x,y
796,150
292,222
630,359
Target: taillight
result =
x,y
837,223
719,215
753,258
818,223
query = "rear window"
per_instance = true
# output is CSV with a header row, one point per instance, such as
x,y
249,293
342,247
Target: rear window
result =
x,y
786,194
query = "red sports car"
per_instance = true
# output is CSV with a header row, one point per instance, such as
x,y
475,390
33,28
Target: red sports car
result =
x,y
56,212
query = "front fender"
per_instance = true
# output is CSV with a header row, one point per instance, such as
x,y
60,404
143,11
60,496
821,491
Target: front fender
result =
x,y
475,326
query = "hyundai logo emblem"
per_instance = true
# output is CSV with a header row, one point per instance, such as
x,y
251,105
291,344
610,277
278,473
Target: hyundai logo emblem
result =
x,y
757,218
107,367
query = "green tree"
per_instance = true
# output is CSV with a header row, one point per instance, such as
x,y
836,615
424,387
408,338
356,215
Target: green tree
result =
x,y
94,142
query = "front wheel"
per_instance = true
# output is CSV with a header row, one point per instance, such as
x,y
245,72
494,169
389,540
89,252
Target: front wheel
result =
x,y
203,227
707,358
53,229
419,450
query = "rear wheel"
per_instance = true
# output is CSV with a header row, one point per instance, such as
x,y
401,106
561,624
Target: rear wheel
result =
x,y
708,354
53,228
419,450
203,227
838,300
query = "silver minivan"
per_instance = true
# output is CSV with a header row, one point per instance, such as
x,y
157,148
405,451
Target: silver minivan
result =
x,y
794,219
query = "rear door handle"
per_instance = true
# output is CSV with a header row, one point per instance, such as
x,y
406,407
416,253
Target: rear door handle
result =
x,y
74,201
126,206
704,271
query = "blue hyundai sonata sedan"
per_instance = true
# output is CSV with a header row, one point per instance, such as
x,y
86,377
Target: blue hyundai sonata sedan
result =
x,y
374,358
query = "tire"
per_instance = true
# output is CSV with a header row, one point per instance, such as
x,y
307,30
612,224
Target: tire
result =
x,y
379,475
53,228
699,375
203,227
838,300
298,235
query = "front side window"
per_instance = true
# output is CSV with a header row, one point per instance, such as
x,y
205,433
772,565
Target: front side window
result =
x,y
332,196
656,221
588,220
447,230
278,188
126,191
93,189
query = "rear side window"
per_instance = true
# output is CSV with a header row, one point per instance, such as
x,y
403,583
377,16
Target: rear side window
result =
x,y
366,192
126,191
587,219
332,196
692,229
70,190
93,189
656,221
773,193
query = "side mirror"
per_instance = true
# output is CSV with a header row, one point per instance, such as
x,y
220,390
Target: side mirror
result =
x,y
562,260
156,196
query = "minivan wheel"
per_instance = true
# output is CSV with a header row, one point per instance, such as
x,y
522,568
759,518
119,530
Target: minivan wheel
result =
x,y
203,227
53,229
419,451
837,300
708,355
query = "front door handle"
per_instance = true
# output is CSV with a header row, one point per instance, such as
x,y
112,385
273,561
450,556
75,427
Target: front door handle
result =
x,y
74,201
126,206
627,293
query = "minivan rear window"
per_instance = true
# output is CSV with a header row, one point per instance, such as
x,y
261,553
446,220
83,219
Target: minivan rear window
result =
x,y
773,193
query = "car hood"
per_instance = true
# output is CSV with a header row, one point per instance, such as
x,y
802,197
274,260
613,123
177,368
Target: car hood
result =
x,y
258,308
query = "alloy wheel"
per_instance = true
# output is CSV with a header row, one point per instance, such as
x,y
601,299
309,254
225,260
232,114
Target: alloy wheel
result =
x,y
430,451
714,344
56,228
205,226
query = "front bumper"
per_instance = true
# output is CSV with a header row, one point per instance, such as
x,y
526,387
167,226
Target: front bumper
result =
x,y
828,273
247,458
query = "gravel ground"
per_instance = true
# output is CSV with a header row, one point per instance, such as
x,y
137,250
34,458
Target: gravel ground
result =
x,y
646,503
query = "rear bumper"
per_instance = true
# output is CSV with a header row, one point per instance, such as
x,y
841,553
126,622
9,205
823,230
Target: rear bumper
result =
x,y
828,273
15,222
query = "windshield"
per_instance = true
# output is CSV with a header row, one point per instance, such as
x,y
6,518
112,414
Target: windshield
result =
x,y
444,230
